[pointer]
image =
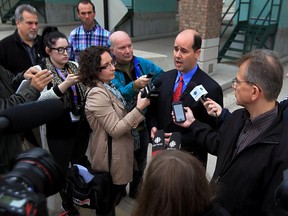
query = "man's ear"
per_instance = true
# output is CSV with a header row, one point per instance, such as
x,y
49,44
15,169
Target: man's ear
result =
x,y
197,53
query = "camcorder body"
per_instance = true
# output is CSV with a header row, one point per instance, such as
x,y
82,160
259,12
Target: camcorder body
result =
x,y
24,189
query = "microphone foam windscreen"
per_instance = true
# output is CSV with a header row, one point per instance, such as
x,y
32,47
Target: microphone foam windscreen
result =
x,y
158,142
175,141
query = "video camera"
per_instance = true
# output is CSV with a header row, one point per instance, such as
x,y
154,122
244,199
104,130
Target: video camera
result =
x,y
34,177
34,174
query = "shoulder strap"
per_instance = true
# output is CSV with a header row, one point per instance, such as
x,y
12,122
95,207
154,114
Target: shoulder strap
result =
x,y
109,151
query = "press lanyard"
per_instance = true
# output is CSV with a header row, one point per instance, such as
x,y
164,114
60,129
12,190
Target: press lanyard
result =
x,y
138,71
73,87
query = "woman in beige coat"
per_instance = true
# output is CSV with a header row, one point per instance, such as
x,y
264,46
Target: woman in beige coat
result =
x,y
107,114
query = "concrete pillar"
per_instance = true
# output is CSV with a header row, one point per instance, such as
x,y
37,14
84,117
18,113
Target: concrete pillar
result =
x,y
205,17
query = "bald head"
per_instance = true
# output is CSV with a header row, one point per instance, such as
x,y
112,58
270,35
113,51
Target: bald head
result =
x,y
192,36
121,47
117,37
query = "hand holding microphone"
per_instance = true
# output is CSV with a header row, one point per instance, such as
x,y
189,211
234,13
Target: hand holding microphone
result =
x,y
212,108
199,93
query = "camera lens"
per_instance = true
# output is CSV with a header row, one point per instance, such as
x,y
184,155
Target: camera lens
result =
x,y
37,169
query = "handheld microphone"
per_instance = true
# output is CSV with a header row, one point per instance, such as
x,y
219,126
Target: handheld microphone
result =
x,y
199,92
174,141
158,142
29,115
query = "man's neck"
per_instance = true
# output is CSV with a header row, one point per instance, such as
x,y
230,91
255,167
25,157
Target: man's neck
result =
x,y
28,42
260,108
88,27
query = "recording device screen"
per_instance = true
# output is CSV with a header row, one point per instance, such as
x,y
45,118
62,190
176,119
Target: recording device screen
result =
x,y
12,201
179,112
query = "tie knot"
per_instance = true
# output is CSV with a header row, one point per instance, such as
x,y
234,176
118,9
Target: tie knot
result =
x,y
181,78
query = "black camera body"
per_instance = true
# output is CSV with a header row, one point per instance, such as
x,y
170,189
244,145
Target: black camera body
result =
x,y
150,91
34,177
16,199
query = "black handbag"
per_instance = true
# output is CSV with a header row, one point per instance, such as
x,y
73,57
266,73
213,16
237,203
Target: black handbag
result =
x,y
96,194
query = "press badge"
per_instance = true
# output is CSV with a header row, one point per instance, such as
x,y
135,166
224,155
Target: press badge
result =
x,y
74,118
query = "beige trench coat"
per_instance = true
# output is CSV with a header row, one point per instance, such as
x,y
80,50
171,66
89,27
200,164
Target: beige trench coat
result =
x,y
106,115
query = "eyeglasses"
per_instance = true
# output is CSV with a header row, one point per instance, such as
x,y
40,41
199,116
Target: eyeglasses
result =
x,y
108,65
236,82
61,50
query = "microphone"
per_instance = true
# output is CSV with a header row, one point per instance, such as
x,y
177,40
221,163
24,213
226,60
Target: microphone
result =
x,y
281,192
158,142
174,141
199,92
29,115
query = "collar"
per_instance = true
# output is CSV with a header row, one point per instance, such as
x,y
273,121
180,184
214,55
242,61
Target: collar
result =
x,y
264,118
91,30
187,76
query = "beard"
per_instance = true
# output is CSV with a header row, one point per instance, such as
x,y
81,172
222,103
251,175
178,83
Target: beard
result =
x,y
32,36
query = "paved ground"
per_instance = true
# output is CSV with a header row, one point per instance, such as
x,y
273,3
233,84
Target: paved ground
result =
x,y
159,51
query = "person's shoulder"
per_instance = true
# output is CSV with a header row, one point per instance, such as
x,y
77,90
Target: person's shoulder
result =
x,y
206,79
76,30
8,38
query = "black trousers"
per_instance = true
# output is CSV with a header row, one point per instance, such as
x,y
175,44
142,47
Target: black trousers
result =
x,y
141,160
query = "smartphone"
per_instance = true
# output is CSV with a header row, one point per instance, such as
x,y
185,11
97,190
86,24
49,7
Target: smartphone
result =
x,y
24,84
179,112
149,75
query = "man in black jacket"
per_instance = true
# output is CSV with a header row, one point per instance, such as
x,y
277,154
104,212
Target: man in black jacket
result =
x,y
10,144
251,145
187,49
21,50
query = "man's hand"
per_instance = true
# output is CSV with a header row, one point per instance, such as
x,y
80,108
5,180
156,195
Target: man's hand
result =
x,y
212,108
31,72
189,118
40,79
141,82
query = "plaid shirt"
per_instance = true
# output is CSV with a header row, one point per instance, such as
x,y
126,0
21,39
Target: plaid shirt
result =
x,y
80,39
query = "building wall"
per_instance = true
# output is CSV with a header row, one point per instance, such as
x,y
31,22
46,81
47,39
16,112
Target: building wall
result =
x,y
152,17
60,11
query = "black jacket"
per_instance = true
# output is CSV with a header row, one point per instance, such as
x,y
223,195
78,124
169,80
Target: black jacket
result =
x,y
10,144
159,111
248,181
13,55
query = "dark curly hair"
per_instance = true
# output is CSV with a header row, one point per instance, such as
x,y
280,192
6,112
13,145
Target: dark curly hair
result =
x,y
89,63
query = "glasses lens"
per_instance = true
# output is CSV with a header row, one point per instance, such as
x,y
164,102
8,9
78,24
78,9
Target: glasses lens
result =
x,y
68,49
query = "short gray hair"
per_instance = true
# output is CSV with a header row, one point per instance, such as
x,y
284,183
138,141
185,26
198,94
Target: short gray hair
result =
x,y
24,7
264,69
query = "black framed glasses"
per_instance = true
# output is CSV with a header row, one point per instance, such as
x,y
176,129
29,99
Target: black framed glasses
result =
x,y
61,50
108,65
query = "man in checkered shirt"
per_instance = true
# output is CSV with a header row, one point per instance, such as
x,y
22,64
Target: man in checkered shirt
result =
x,y
89,33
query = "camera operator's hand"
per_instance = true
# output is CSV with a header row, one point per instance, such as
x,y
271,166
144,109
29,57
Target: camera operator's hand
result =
x,y
189,118
70,80
40,79
30,72
212,108
141,82
142,103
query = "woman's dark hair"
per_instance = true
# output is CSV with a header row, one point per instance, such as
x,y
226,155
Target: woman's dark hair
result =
x,y
49,37
174,184
89,63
